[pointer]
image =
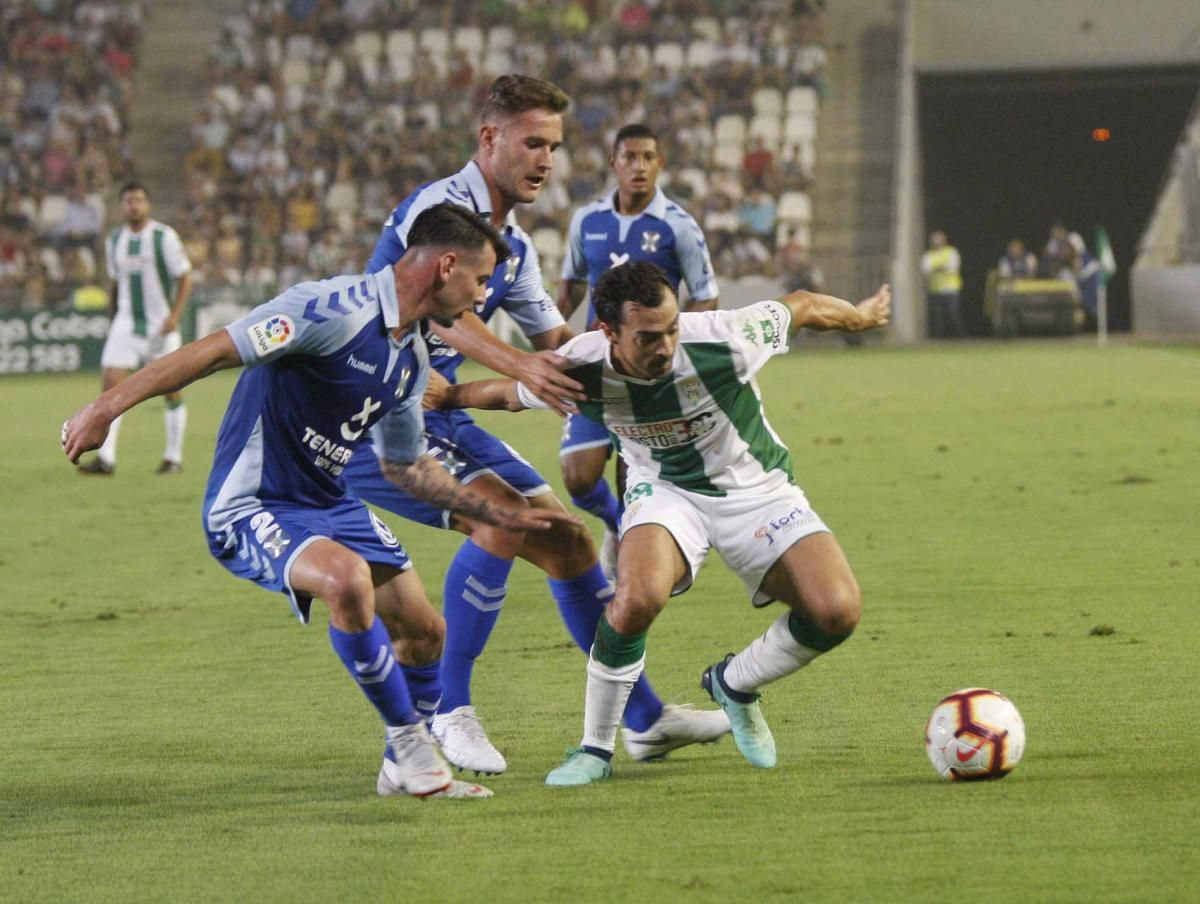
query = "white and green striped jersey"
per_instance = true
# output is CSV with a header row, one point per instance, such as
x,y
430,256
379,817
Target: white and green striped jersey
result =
x,y
145,266
702,427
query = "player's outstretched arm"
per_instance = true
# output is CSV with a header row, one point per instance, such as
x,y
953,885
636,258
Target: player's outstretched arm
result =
x,y
170,373
540,370
425,479
491,395
825,312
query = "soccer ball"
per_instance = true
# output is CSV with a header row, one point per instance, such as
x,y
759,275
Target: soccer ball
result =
x,y
975,734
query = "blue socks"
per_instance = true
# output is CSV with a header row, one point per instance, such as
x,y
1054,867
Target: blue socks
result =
x,y
367,656
600,502
581,601
425,687
473,594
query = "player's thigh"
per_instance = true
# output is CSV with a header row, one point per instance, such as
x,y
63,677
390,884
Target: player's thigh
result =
x,y
752,532
650,568
334,574
815,580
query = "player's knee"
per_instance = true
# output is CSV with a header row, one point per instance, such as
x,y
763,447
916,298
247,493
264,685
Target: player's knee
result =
x,y
424,641
347,588
634,609
837,609
499,542
577,549
579,477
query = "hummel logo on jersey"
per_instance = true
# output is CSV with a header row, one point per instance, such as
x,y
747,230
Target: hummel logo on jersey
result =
x,y
595,236
349,433
650,241
378,670
618,259
361,365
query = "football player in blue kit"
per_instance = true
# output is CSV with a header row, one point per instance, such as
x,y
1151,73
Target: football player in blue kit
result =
x,y
636,222
330,366
520,127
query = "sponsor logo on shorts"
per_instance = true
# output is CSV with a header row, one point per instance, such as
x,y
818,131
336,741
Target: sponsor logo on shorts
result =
x,y
274,332
665,434
785,524
383,531
269,534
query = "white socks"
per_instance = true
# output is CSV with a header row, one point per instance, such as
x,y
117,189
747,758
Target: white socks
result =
x,y
608,691
770,657
108,451
176,424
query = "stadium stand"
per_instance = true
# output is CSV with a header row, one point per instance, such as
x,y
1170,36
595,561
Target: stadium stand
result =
x,y
319,117
65,97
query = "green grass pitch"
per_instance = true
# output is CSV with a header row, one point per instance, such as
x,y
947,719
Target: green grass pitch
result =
x,y
170,733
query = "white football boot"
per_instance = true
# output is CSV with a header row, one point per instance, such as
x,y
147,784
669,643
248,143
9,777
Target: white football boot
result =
x,y
418,769
678,726
464,743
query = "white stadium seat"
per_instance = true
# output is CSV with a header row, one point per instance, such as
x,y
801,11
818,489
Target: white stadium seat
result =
x,y
730,127
549,244
768,128
794,207
369,66
299,47
52,212
295,72
728,154
802,99
368,45
335,74
700,54
799,127
401,42
498,61
695,178
500,36
436,41
669,55
767,101
788,232
707,27
400,67
469,39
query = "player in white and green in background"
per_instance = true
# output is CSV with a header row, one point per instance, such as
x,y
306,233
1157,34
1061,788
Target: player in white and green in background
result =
x,y
705,471
151,283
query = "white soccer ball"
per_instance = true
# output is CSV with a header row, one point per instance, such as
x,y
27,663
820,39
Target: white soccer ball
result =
x,y
975,734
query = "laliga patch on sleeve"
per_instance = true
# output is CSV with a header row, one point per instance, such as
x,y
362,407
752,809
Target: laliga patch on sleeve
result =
x,y
268,335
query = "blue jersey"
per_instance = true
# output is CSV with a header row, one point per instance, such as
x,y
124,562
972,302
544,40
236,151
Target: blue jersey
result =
x,y
663,234
323,376
516,286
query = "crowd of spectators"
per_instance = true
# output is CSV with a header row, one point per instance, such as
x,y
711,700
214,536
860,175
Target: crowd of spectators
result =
x,y
319,116
65,96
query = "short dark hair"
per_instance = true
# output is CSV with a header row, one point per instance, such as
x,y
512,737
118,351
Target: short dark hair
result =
x,y
512,95
641,282
634,130
133,185
447,225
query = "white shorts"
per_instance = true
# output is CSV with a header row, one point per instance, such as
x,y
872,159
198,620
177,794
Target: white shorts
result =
x,y
125,351
750,531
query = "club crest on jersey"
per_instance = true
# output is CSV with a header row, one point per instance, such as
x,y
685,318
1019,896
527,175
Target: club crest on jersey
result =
x,y
650,241
274,332
691,388
510,268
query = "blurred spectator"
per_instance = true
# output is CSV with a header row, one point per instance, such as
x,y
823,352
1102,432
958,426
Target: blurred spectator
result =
x,y
1087,273
1017,263
758,163
1058,255
757,216
943,287
82,220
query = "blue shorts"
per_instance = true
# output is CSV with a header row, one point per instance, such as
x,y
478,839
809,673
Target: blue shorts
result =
x,y
465,450
582,433
262,547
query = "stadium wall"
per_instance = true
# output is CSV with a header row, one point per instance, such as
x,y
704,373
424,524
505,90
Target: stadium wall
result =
x,y
1166,301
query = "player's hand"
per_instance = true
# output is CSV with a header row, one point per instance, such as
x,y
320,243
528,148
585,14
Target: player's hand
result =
x,y
86,430
541,372
533,519
435,392
876,310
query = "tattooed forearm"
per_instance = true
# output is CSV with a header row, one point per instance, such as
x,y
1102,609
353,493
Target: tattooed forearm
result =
x,y
424,479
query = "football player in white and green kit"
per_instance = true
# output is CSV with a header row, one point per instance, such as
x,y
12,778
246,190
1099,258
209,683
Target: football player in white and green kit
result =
x,y
151,283
706,471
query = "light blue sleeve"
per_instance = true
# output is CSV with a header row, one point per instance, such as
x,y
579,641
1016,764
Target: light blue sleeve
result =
x,y
694,261
399,435
307,319
574,263
528,303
